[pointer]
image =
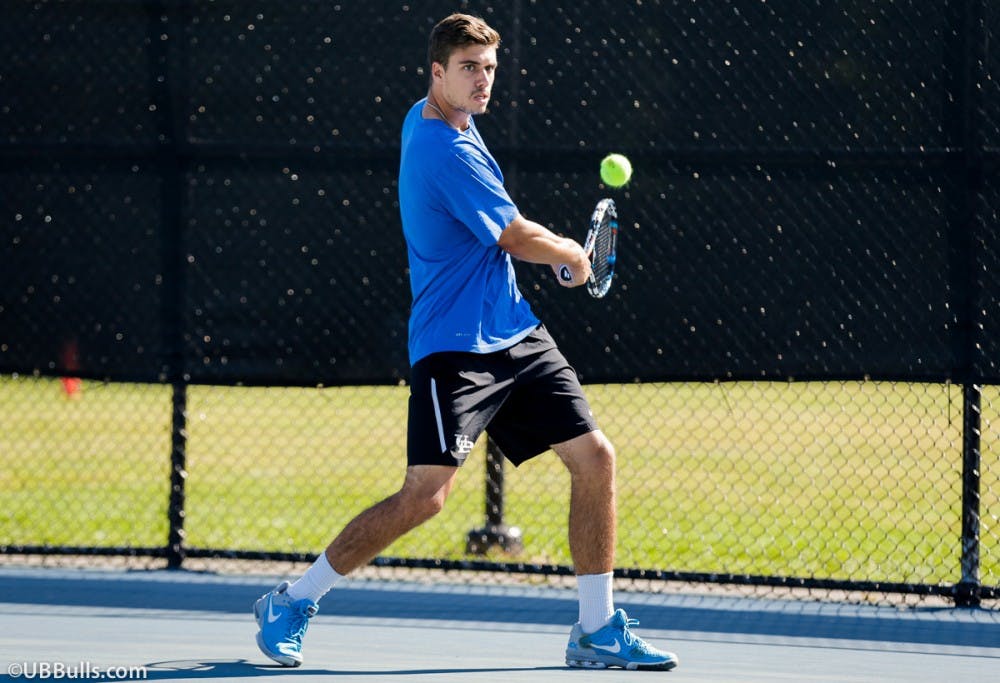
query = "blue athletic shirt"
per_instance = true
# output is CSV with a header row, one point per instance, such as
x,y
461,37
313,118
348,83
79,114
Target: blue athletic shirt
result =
x,y
454,207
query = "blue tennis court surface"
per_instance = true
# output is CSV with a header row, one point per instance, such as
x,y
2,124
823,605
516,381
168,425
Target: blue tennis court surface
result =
x,y
188,626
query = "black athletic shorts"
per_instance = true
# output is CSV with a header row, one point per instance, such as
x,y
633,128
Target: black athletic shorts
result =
x,y
526,397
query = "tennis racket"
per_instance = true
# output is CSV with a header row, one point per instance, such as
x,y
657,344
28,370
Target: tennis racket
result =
x,y
602,247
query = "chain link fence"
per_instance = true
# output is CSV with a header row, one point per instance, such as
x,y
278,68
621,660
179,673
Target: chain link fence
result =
x,y
204,294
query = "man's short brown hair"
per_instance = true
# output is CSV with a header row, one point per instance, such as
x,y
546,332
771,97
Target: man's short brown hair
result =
x,y
457,31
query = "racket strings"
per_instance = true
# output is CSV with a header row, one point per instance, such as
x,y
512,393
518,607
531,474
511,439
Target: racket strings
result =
x,y
603,251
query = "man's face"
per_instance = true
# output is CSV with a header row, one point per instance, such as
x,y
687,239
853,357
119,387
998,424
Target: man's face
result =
x,y
467,82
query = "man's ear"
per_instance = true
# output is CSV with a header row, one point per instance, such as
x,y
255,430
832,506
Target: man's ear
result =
x,y
437,70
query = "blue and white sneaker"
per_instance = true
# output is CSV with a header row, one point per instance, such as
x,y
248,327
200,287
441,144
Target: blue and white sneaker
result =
x,y
283,623
615,645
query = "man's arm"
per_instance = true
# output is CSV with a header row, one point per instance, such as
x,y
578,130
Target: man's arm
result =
x,y
529,241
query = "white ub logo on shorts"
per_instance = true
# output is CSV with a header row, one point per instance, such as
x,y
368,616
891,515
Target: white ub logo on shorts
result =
x,y
463,444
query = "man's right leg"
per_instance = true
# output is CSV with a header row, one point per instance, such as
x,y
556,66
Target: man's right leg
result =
x,y
422,496
284,613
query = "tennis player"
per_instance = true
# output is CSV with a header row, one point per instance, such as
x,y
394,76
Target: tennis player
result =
x,y
481,361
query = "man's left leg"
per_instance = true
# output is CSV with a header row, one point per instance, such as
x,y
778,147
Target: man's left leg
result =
x,y
602,637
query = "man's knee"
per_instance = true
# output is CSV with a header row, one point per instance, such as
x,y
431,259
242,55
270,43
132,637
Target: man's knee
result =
x,y
588,453
425,490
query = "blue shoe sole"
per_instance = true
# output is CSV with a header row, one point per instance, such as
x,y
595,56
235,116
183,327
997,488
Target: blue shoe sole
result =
x,y
598,663
284,660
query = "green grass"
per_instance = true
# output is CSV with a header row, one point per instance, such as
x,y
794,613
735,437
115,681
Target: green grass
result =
x,y
833,480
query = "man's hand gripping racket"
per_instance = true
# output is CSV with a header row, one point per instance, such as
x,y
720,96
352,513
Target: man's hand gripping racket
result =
x,y
601,247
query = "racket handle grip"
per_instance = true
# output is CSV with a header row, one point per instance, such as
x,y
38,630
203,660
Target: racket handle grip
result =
x,y
565,274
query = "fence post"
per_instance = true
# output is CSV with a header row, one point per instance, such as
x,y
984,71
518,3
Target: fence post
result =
x,y
968,590
167,19
970,44
178,476
495,533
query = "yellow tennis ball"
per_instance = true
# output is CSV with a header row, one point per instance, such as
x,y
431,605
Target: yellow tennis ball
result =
x,y
616,170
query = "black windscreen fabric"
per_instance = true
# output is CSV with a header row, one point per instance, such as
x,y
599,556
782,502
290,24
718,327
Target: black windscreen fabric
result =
x,y
207,191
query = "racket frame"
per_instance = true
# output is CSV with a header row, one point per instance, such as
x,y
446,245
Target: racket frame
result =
x,y
604,212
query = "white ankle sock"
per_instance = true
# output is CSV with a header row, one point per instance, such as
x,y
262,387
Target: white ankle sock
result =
x,y
316,582
596,602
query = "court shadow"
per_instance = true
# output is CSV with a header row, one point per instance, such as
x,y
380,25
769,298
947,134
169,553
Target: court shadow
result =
x,y
242,668
225,668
